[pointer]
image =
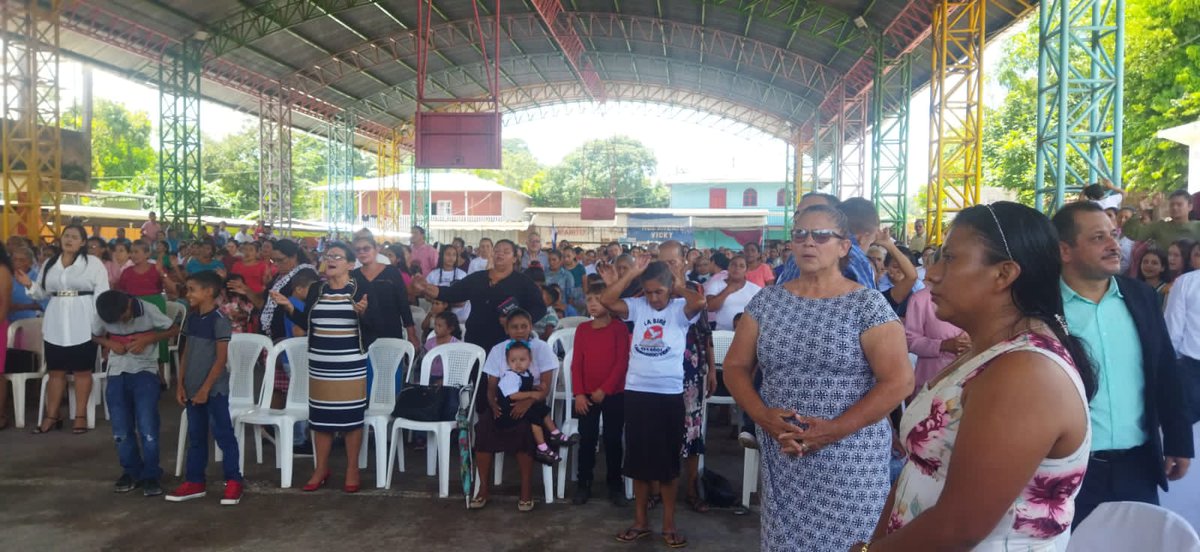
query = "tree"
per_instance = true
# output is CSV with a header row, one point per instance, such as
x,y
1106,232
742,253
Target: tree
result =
x,y
123,159
1162,89
231,166
618,165
520,166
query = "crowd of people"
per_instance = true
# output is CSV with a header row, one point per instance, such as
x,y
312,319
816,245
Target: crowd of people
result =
x,y
1058,356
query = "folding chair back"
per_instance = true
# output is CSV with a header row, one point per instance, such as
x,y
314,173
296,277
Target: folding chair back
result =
x,y
459,360
387,355
244,351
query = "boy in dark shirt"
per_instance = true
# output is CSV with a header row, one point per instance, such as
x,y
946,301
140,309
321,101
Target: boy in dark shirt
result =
x,y
204,390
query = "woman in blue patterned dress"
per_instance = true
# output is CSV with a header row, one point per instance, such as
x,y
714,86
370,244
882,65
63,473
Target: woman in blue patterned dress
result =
x,y
337,361
834,363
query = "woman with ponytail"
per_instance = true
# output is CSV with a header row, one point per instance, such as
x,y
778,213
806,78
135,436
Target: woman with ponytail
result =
x,y
1013,407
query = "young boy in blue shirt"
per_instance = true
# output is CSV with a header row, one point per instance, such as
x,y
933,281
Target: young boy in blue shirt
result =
x,y
203,390
130,329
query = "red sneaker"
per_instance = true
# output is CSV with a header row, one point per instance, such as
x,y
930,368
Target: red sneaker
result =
x,y
233,493
187,491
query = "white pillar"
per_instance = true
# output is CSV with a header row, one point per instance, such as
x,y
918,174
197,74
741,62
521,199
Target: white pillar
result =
x,y
1188,135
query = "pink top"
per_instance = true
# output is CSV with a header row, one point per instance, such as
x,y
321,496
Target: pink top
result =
x,y
435,370
150,230
761,275
427,256
925,333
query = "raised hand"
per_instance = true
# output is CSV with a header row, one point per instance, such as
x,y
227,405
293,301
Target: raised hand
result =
x,y
281,300
607,272
23,278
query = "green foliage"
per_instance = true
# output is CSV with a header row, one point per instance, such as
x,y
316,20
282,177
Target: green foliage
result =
x,y
1162,90
597,169
121,140
521,169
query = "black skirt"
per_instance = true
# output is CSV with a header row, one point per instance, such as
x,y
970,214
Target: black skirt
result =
x,y
71,358
653,435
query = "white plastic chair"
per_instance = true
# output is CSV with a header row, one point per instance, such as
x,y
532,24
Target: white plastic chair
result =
x,y
244,352
459,361
25,335
562,340
95,397
387,355
571,322
176,312
722,339
1134,526
749,475
567,425
294,410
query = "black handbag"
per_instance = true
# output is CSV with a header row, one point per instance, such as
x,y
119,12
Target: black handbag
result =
x,y
20,361
427,403
718,491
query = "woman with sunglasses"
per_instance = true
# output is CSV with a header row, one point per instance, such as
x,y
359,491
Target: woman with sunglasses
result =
x,y
834,364
389,295
334,320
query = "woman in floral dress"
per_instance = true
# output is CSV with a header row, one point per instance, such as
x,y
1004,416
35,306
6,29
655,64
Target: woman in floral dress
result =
x,y
834,364
697,370
998,442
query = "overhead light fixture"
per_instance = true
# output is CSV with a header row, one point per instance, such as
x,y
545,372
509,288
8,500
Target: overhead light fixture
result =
x,y
860,22
201,35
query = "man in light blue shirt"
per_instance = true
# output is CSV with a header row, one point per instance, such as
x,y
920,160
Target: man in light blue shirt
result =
x,y
1139,393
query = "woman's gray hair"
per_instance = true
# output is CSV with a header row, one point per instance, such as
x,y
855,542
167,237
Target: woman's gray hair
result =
x,y
840,222
24,249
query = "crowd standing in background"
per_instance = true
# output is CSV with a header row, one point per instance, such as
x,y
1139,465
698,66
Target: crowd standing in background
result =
x,y
1055,330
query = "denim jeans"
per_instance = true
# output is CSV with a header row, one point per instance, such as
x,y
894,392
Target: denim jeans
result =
x,y
213,414
133,405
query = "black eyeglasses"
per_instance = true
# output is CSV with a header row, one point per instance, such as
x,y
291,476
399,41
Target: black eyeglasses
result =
x,y
818,236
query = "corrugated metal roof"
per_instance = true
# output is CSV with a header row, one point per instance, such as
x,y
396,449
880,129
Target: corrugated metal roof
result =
x,y
774,57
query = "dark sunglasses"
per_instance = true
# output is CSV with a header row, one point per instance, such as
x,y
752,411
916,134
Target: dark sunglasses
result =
x,y
818,236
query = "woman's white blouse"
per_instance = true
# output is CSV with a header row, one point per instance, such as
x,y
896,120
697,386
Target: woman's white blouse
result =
x,y
68,320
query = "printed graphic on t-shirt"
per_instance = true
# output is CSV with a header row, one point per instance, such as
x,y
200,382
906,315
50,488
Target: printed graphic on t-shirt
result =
x,y
652,344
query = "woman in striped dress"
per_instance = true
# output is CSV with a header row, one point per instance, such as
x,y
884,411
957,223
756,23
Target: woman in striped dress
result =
x,y
337,361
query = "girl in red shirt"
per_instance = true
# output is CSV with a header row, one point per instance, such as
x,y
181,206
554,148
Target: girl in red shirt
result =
x,y
599,361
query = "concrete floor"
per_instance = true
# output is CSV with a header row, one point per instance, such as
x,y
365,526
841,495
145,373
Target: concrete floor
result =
x,y
56,494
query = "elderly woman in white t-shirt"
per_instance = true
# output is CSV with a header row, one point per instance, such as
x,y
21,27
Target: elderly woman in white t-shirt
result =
x,y
654,405
726,298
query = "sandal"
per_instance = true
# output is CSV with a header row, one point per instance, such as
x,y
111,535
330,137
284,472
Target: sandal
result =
x,y
697,504
653,501
632,534
80,430
55,424
674,539
477,503
524,505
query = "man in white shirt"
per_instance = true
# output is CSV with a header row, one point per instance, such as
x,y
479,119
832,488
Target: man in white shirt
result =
x,y
242,236
484,259
728,297
534,252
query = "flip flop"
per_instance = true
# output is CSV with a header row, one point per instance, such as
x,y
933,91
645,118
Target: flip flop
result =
x,y
477,503
524,505
633,534
698,504
674,539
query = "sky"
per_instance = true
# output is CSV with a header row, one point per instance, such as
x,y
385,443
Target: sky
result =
x,y
687,145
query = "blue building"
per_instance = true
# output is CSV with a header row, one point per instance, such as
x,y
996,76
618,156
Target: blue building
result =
x,y
733,194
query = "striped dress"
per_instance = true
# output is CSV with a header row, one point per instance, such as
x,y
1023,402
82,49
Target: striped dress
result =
x,y
337,365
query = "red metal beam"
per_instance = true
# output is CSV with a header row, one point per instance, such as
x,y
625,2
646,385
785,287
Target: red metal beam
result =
x,y
563,33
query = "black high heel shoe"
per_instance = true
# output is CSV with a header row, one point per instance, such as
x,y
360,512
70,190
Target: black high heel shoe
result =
x,y
56,425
